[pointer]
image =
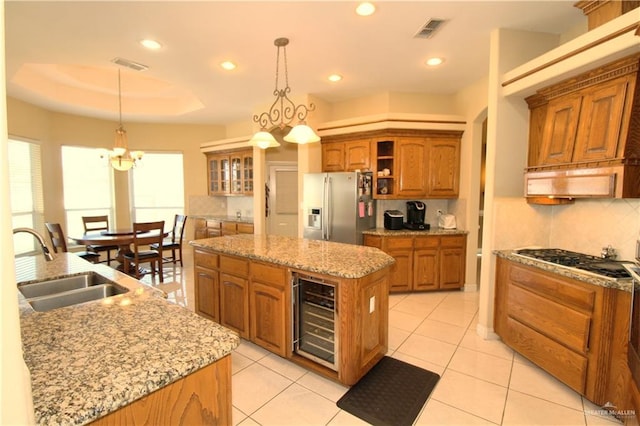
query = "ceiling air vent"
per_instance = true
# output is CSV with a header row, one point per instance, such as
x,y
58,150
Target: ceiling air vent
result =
x,y
427,30
130,64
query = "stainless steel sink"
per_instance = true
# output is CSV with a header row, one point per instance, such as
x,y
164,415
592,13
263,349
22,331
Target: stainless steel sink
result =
x,y
70,290
58,285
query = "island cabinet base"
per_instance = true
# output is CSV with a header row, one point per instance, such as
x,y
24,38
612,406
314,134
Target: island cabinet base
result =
x,y
201,398
254,298
574,330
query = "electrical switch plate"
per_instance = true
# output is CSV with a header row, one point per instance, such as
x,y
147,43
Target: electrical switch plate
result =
x,y
372,304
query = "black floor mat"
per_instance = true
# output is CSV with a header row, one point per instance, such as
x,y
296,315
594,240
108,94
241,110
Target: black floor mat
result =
x,y
392,393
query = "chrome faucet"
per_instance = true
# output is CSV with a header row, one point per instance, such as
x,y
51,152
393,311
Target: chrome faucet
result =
x,y
608,253
45,250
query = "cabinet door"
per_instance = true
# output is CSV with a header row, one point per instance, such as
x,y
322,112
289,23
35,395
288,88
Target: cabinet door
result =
x,y
234,304
206,293
357,155
560,130
333,157
452,263
247,171
235,164
225,175
268,317
400,276
214,166
444,168
425,269
600,121
411,164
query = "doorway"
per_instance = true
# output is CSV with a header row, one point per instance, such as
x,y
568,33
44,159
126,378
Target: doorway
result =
x,y
282,199
483,162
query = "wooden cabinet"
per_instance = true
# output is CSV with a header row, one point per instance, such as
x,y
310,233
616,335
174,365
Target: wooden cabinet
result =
x,y
268,303
207,286
230,172
423,263
234,294
345,156
574,330
209,228
201,398
406,163
581,136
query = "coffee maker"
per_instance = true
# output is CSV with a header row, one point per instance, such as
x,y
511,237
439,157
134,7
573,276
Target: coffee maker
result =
x,y
416,211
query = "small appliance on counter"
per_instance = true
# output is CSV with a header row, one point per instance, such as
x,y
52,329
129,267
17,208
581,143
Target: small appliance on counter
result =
x,y
416,211
393,219
447,221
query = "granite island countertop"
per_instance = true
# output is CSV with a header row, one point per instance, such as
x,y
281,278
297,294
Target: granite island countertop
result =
x,y
383,232
324,257
576,274
90,359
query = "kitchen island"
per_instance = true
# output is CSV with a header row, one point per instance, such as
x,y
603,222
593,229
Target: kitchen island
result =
x,y
130,358
247,282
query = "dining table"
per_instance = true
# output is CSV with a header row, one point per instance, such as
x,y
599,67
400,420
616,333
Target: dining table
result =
x,y
121,237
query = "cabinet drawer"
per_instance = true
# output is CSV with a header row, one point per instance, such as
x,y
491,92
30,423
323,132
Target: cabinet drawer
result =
x,y
553,287
245,228
229,227
398,243
426,242
211,223
552,319
268,274
206,260
234,265
568,366
453,241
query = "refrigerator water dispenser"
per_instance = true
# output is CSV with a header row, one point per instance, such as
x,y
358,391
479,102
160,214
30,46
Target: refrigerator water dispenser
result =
x,y
314,219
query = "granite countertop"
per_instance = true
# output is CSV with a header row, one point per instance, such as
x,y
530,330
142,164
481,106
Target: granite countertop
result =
x,y
90,359
576,274
400,232
324,257
223,218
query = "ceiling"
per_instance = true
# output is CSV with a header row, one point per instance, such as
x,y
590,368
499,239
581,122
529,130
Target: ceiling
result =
x,y
59,54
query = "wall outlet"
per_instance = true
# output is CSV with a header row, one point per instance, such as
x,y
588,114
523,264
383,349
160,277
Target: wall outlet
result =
x,y
372,304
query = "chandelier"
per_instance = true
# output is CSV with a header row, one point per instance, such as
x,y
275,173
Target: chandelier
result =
x,y
283,111
120,157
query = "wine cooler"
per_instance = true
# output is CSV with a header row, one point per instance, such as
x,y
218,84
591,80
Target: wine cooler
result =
x,y
315,319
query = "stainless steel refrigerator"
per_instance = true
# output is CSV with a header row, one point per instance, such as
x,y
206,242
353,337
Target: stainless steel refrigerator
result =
x,y
338,206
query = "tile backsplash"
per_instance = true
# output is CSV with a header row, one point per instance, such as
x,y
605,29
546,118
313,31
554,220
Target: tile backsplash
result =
x,y
584,226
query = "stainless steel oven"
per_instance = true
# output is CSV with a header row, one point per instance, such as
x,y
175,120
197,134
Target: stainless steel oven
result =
x,y
315,319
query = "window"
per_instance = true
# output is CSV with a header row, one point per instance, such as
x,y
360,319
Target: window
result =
x,y
25,187
88,186
158,188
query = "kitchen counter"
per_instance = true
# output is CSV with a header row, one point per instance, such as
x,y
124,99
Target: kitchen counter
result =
x,y
324,257
223,218
91,359
401,232
625,285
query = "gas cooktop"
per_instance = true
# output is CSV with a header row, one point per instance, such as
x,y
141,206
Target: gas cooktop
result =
x,y
584,262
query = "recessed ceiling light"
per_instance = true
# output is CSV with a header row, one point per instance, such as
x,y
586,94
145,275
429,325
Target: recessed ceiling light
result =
x,y
228,65
365,9
434,62
150,44
335,77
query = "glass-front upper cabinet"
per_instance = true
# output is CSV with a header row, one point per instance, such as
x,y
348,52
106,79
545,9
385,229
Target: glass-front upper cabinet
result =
x,y
247,166
236,173
230,172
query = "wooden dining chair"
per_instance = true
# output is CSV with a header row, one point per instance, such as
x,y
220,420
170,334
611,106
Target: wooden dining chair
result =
x,y
95,224
174,243
144,235
59,241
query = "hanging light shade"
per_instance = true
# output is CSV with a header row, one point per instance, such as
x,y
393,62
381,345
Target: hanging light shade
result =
x,y
120,157
283,111
263,140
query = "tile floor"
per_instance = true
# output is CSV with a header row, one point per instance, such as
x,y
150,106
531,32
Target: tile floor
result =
x,y
482,382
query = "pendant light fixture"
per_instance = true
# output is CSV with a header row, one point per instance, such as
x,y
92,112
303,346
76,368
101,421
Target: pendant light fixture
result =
x,y
120,157
283,111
